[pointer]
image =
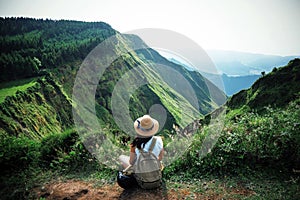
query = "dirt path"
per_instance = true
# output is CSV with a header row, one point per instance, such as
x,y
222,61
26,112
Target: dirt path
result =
x,y
75,189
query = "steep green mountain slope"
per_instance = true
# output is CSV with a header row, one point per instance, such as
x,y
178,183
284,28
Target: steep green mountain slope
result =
x,y
261,129
167,91
203,88
277,88
37,111
56,49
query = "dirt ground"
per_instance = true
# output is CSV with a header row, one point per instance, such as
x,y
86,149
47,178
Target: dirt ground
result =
x,y
81,190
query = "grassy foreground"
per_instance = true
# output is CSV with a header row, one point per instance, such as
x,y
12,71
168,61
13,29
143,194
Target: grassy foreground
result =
x,y
257,185
256,157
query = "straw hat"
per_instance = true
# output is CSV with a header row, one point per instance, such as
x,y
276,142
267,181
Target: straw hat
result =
x,y
146,126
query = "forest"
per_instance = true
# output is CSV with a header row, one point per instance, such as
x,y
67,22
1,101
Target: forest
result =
x,y
29,46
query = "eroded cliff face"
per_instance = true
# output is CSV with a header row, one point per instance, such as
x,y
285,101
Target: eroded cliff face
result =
x,y
42,109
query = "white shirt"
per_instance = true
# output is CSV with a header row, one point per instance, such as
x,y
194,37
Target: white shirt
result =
x,y
157,147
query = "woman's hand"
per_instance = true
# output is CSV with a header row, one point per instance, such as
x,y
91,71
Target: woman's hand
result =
x,y
161,155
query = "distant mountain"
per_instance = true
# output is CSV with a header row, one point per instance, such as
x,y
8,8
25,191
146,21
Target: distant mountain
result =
x,y
234,84
277,88
238,70
181,63
229,84
242,63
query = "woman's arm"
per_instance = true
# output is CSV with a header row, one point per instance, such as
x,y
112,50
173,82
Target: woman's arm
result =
x,y
161,155
132,155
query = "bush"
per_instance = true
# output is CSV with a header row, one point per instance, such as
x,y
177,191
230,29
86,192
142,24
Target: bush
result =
x,y
59,151
18,153
249,140
65,150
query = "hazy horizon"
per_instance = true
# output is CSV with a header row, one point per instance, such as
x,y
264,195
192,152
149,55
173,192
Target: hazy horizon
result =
x,y
264,27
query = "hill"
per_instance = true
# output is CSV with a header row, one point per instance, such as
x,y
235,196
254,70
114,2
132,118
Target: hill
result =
x,y
260,140
54,50
31,45
277,88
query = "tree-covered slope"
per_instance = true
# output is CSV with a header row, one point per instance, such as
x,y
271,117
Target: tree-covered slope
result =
x,y
276,88
31,45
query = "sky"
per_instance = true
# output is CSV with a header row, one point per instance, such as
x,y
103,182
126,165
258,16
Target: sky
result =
x,y
256,26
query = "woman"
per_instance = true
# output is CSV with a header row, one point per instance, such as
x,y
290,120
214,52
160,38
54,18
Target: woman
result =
x,y
145,127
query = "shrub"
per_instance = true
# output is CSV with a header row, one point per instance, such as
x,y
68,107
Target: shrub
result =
x,y
249,140
17,153
64,151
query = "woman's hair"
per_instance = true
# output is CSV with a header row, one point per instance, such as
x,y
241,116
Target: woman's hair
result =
x,y
137,142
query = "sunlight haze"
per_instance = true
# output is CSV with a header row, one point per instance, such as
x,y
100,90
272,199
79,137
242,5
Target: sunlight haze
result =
x,y
267,27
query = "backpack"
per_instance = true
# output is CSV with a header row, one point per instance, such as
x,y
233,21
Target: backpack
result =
x,y
147,171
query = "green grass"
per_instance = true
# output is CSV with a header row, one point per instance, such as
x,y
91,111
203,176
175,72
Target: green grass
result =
x,y
258,184
11,88
63,157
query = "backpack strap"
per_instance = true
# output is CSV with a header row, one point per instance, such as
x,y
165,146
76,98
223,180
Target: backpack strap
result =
x,y
152,144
